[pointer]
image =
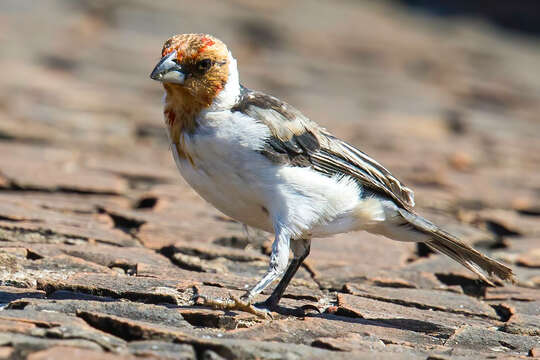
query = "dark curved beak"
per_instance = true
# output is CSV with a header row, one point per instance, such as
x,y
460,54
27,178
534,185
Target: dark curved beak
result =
x,y
168,70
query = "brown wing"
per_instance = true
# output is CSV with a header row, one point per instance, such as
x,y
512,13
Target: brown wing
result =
x,y
298,141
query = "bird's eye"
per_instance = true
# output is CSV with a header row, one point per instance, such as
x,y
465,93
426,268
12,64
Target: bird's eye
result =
x,y
204,65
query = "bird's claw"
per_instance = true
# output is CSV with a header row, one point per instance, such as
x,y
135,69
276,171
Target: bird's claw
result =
x,y
235,303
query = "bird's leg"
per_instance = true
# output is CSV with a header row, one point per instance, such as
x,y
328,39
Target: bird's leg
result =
x,y
278,264
300,250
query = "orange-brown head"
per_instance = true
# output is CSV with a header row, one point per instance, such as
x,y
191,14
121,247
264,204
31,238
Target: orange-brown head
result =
x,y
194,67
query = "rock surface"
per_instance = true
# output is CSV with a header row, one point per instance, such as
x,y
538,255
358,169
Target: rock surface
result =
x,y
104,249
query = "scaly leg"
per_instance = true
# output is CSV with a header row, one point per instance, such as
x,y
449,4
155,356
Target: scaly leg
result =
x,y
300,250
278,264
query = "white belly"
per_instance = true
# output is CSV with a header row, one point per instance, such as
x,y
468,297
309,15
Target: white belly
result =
x,y
226,169
231,192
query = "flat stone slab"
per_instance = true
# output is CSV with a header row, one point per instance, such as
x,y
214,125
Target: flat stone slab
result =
x,y
476,338
408,315
123,286
427,299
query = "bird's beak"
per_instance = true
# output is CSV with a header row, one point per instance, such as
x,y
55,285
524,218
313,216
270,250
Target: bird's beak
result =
x,y
168,70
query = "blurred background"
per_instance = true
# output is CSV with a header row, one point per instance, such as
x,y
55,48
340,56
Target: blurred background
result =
x,y
445,94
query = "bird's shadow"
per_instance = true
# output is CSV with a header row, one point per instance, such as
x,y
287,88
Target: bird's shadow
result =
x,y
419,326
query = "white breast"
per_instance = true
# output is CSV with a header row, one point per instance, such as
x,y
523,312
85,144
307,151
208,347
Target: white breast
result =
x,y
228,171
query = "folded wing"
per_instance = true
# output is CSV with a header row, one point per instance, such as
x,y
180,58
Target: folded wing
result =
x,y
298,141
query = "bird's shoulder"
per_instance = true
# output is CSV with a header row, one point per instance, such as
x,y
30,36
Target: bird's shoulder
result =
x,y
298,141
283,120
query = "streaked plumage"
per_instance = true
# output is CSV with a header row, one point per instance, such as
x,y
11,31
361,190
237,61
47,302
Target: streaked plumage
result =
x,y
260,161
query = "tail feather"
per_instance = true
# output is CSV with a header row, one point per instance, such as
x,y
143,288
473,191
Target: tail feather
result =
x,y
464,254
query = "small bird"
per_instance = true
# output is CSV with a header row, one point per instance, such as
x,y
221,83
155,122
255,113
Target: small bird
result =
x,y
260,161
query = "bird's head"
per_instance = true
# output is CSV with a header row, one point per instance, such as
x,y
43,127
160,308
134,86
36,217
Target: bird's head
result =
x,y
194,66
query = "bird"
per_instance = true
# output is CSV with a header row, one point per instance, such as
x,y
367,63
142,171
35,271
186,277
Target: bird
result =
x,y
260,161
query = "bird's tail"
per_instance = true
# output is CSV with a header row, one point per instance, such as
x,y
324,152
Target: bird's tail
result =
x,y
416,228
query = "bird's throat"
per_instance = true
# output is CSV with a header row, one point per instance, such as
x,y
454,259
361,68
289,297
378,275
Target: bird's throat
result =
x,y
181,110
180,115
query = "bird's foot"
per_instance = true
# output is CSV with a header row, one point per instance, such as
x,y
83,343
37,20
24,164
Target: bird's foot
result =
x,y
236,303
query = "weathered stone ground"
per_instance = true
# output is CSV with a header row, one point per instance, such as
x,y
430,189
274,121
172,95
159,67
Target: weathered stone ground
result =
x,y
103,246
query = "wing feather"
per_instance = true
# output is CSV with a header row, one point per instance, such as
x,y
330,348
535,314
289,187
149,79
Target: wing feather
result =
x,y
298,141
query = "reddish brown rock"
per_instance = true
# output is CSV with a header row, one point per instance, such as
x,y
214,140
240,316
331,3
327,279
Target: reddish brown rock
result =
x,y
123,286
482,339
512,293
162,350
408,316
59,170
427,299
351,342
530,259
51,325
64,352
6,352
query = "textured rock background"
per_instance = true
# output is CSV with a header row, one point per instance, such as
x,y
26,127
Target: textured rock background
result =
x,y
102,245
